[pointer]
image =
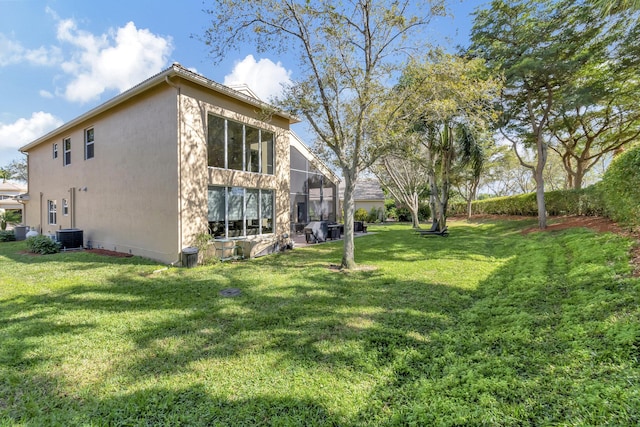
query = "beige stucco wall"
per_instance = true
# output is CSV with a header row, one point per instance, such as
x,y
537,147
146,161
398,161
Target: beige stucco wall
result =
x,y
146,187
130,203
195,105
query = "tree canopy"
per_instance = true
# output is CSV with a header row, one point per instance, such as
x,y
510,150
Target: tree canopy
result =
x,y
347,52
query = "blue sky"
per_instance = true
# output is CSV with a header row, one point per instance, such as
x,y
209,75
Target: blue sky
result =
x,y
60,58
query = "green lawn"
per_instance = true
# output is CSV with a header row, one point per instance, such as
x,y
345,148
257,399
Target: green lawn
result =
x,y
485,327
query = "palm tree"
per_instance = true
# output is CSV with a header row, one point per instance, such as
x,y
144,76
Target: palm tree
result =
x,y
450,148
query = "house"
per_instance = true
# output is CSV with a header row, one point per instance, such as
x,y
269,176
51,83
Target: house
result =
x,y
10,196
314,187
171,159
367,195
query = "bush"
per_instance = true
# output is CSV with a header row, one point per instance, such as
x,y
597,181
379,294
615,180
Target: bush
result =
x,y
42,245
361,215
7,236
375,215
587,201
620,188
424,212
403,214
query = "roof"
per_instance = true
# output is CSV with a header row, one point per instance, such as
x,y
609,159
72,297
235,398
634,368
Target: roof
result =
x,y
304,149
175,70
366,189
11,187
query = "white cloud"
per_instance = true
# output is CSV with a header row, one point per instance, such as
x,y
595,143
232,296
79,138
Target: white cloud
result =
x,y
12,52
117,60
45,94
263,77
23,131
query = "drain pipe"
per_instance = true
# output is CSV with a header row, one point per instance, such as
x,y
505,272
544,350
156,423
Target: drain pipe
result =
x,y
180,202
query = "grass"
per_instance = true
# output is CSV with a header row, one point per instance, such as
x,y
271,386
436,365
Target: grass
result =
x,y
486,327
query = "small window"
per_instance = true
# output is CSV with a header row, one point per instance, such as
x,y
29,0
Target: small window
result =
x,y
88,144
67,151
55,151
65,207
53,216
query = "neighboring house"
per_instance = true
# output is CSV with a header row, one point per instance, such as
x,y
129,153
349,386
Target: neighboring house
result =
x,y
152,169
367,195
10,196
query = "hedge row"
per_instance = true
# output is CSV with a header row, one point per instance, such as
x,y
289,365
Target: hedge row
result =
x,y
617,196
564,202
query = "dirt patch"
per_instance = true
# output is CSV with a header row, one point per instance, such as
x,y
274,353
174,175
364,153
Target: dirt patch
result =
x,y
596,223
106,252
338,268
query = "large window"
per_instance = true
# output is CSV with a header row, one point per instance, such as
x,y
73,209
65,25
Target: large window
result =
x,y
66,146
233,145
239,212
88,144
53,214
313,196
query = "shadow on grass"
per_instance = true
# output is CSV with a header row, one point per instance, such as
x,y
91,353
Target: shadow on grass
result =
x,y
515,350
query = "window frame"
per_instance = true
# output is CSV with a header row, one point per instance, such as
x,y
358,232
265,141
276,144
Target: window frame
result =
x,y
236,147
55,150
241,225
52,212
66,153
89,144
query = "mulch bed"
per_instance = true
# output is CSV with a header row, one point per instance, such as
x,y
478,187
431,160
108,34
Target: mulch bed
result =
x,y
109,253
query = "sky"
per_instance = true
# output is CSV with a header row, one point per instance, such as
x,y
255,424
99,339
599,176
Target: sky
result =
x,y
61,58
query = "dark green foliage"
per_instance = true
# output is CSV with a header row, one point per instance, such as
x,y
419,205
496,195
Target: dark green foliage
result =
x,y
620,188
424,213
361,215
585,201
7,236
42,245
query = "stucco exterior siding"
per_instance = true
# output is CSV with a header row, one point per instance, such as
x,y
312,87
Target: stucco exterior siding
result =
x,y
130,203
195,105
145,191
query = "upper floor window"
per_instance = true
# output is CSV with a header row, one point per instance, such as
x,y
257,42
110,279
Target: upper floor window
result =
x,y
55,150
66,146
65,207
233,145
88,144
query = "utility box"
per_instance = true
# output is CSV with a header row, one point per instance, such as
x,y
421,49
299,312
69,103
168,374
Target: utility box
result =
x,y
190,257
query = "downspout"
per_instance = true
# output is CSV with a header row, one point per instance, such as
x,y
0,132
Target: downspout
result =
x,y
180,243
41,217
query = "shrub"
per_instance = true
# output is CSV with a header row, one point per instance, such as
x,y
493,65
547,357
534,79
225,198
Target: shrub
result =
x,y
361,215
7,236
620,188
375,215
404,214
42,245
424,212
587,201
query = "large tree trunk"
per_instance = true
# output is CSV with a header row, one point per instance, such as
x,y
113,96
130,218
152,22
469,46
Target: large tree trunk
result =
x,y
539,178
348,210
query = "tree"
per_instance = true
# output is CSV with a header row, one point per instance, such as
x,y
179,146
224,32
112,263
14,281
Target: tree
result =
x,y
402,173
597,112
539,47
347,52
16,169
610,7
451,109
